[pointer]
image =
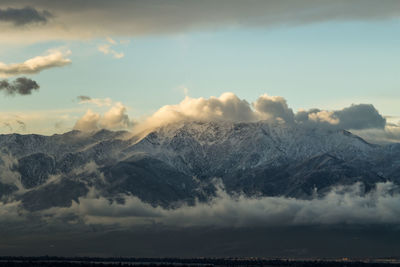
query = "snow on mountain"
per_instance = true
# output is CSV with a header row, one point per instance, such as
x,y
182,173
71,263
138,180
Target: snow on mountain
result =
x,y
178,162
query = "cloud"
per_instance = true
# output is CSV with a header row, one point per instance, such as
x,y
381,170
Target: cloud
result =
x,y
227,107
100,102
55,58
355,117
361,119
24,16
83,98
323,116
21,86
114,119
8,174
274,107
341,205
389,134
99,18
106,49
362,116
40,121
22,125
8,126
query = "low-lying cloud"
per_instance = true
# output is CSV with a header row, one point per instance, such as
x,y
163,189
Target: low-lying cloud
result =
x,y
20,86
54,58
24,16
349,204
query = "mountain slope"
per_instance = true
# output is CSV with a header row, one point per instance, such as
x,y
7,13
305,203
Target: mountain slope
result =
x,y
179,162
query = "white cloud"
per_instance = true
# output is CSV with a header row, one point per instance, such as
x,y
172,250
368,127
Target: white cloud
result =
x,y
273,107
227,107
114,119
54,58
324,116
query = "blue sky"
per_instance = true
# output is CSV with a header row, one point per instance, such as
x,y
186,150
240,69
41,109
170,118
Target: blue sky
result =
x,y
326,65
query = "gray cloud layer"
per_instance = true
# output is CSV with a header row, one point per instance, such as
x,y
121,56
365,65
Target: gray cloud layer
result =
x,y
21,86
99,18
24,16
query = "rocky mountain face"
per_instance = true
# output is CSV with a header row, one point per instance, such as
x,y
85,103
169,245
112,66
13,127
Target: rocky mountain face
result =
x,y
180,162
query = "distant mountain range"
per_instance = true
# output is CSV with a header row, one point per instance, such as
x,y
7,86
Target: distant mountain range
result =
x,y
180,163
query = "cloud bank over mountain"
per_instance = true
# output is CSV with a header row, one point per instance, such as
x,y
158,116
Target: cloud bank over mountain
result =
x,y
229,107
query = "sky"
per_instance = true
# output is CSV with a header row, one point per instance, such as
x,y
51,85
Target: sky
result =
x,y
139,64
129,59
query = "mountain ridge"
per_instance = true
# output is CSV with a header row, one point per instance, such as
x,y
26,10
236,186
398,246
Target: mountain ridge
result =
x,y
175,162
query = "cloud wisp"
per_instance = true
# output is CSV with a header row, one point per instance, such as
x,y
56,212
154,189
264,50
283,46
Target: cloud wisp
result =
x,y
24,16
21,86
55,58
100,102
108,50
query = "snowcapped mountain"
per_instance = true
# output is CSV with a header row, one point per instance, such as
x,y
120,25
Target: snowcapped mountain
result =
x,y
180,161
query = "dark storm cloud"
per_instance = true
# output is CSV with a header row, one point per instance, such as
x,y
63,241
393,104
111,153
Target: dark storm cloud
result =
x,y
24,16
20,86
